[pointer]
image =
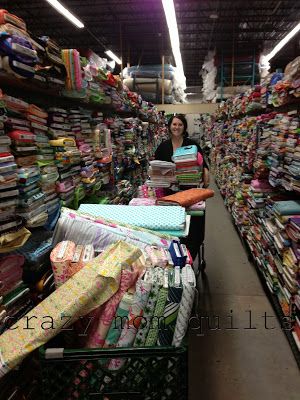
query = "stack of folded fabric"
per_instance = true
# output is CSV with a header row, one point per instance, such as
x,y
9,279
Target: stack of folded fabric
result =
x,y
24,147
258,193
49,70
18,56
68,162
104,164
58,124
16,301
95,93
8,179
81,127
123,193
31,201
292,156
286,215
254,99
162,174
188,165
45,157
277,150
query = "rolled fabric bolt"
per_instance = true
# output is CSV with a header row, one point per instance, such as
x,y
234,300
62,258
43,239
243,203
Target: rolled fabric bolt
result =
x,y
105,315
92,286
168,324
136,311
115,329
61,258
184,312
158,313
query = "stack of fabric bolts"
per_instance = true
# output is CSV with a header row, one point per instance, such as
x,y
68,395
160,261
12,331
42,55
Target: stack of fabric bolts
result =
x,y
18,56
45,157
162,174
81,128
291,176
50,70
58,124
68,159
31,198
258,192
188,165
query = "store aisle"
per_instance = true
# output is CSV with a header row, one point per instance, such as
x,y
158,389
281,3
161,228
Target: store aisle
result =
x,y
240,363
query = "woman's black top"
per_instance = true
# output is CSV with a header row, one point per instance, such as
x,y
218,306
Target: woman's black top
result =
x,y
164,152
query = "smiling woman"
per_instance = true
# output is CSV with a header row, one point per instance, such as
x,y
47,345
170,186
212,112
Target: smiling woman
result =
x,y
177,125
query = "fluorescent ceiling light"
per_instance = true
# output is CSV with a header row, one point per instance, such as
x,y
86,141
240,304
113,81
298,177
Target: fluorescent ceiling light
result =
x,y
66,13
169,10
283,42
113,56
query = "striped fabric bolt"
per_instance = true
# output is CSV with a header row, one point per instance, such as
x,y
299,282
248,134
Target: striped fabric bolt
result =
x,y
168,324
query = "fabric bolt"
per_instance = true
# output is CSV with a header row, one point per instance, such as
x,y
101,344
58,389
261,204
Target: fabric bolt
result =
x,y
104,316
143,330
168,324
290,207
100,235
61,258
184,312
115,329
158,313
94,285
63,142
136,311
142,202
10,272
151,217
186,198
11,241
157,256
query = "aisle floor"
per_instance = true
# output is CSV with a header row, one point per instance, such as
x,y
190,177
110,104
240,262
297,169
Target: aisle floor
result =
x,y
241,363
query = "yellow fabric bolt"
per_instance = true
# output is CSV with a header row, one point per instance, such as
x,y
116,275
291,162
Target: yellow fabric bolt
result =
x,y
83,292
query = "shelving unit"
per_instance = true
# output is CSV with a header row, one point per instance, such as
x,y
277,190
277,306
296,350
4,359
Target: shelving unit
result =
x,y
245,143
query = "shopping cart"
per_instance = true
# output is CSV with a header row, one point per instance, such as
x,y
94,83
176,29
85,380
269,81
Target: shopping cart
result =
x,y
156,373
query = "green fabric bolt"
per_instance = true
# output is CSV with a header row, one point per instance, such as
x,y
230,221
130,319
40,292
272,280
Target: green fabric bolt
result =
x,y
116,325
148,313
158,313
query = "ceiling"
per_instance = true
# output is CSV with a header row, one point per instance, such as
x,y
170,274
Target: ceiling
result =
x,y
137,30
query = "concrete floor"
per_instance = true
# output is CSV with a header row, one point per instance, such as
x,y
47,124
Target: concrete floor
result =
x,y
241,363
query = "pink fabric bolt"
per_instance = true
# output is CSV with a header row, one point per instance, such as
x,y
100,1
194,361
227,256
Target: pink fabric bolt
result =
x,y
103,317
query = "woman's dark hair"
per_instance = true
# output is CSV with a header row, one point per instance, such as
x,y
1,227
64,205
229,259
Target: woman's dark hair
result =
x,y
183,120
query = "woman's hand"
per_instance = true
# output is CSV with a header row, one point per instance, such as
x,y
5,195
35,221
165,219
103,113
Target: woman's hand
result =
x,y
205,177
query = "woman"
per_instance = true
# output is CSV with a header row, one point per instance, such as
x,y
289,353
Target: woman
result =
x,y
179,137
